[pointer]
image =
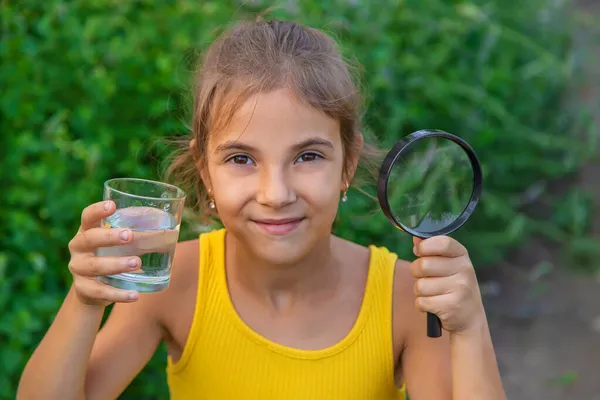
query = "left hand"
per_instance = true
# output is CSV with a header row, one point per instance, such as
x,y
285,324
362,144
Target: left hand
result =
x,y
446,283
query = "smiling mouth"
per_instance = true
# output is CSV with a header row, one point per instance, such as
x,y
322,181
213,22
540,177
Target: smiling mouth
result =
x,y
278,226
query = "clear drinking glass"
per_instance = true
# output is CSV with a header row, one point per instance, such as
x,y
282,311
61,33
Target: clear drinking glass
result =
x,y
152,210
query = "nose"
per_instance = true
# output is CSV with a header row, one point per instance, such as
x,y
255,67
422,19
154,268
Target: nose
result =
x,y
275,190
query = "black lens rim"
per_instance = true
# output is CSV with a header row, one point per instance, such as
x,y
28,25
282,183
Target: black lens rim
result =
x,y
400,147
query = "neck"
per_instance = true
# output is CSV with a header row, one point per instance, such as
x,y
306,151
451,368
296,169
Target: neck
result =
x,y
282,285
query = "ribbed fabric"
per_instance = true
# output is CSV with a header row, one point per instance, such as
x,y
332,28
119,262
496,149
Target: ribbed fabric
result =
x,y
225,359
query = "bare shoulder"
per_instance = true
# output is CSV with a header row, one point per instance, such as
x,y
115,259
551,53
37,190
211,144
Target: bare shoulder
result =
x,y
185,266
184,282
403,285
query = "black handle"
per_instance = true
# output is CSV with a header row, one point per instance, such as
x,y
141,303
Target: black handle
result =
x,y
434,325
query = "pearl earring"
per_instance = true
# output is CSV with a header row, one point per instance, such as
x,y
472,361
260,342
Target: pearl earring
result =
x,y
211,204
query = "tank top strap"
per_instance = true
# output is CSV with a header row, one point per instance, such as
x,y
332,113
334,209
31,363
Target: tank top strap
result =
x,y
211,247
382,268
383,262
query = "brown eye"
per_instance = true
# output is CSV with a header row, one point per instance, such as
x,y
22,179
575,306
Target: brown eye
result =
x,y
241,159
308,157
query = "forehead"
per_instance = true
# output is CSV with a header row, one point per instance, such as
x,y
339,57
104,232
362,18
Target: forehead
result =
x,y
277,119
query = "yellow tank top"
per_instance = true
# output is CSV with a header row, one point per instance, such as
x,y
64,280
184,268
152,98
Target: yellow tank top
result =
x,y
225,359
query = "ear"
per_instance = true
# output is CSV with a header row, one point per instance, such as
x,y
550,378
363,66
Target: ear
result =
x,y
193,148
352,162
202,168
205,176
206,179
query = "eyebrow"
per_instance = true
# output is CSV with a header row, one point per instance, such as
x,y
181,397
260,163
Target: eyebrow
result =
x,y
231,145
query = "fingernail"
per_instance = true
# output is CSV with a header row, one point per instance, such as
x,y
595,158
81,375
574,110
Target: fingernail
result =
x,y
106,205
124,235
132,296
415,251
132,262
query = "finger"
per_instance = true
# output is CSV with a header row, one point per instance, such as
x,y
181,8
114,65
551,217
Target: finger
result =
x,y
94,289
435,304
91,239
93,214
424,267
160,241
89,265
426,287
441,246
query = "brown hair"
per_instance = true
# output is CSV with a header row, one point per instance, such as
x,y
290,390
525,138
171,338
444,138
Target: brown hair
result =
x,y
261,56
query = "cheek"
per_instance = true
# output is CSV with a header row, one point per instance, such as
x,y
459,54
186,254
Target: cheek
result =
x,y
230,194
321,191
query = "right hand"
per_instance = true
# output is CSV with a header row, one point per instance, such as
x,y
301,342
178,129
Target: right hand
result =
x,y
86,266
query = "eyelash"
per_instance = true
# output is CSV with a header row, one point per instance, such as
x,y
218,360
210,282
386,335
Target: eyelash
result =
x,y
232,159
308,153
315,156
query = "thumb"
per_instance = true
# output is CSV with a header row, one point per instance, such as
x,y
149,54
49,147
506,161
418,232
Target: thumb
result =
x,y
416,242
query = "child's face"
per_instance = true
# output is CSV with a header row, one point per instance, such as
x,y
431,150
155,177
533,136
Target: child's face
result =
x,y
276,176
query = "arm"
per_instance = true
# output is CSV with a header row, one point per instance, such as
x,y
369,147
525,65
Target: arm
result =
x,y
57,367
462,362
425,364
474,359
72,362
454,366
123,347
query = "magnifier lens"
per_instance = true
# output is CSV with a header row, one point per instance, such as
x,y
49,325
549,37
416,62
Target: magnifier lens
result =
x,y
430,184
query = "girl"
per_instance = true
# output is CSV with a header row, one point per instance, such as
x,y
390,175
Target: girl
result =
x,y
273,306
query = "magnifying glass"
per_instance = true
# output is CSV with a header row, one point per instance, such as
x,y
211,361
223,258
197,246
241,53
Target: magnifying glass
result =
x,y
429,185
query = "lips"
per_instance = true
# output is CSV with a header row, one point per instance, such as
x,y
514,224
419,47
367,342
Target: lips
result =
x,y
278,226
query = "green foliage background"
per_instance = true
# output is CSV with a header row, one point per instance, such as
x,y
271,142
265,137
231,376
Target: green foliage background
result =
x,y
88,85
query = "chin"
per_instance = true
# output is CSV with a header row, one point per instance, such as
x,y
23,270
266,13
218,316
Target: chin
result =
x,y
280,249
282,252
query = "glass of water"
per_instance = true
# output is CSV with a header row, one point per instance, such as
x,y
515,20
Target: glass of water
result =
x,y
152,210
